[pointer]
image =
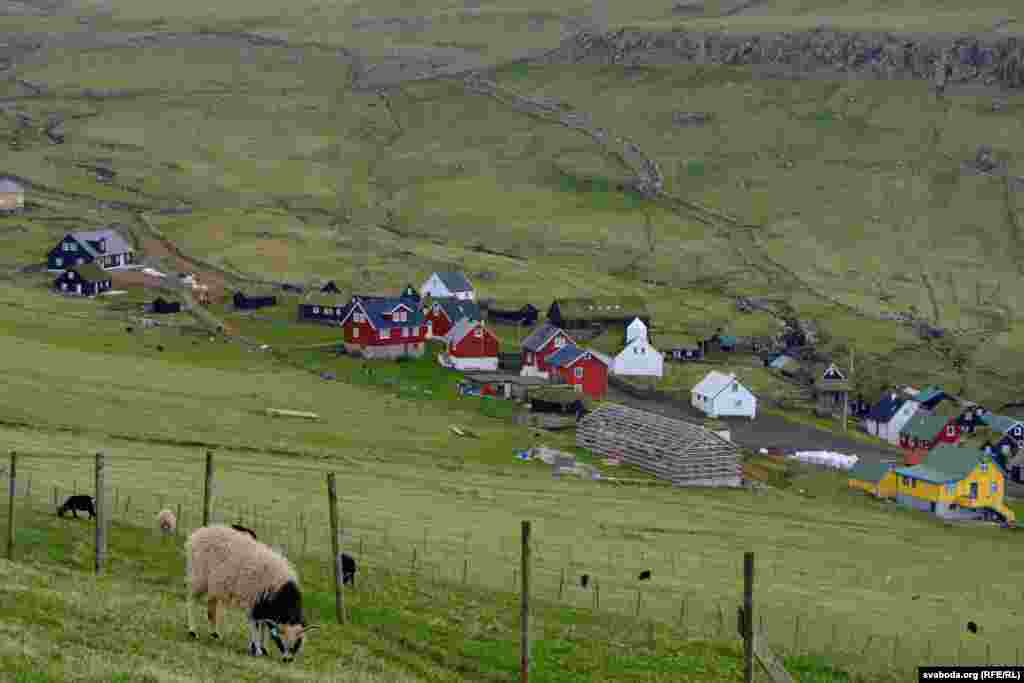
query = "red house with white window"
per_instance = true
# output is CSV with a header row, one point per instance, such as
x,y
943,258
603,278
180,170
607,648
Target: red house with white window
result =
x,y
383,327
471,346
585,370
542,343
923,432
443,314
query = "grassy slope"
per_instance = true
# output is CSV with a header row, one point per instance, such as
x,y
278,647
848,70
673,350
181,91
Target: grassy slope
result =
x,y
421,486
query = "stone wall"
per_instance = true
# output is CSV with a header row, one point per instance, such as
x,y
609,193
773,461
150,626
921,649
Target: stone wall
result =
x,y
988,60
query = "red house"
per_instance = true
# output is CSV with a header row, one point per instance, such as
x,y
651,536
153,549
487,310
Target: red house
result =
x,y
585,370
443,313
542,343
471,346
923,432
383,327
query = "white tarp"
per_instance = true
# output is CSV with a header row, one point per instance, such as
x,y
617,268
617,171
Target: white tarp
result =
x,y
154,273
837,461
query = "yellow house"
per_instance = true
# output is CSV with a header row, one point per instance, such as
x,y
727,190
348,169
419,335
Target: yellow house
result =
x,y
878,479
955,482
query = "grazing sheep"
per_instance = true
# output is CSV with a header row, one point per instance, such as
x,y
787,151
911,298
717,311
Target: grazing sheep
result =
x,y
348,569
167,521
244,530
645,575
584,580
76,503
972,627
231,569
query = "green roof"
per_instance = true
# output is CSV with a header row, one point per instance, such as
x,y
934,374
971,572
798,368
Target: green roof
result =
x,y
1000,423
870,471
597,308
946,463
924,427
90,272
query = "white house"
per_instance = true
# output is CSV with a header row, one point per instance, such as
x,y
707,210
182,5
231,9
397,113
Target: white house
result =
x,y
721,395
448,285
639,357
887,417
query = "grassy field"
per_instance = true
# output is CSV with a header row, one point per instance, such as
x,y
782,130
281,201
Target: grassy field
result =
x,y
409,485
851,196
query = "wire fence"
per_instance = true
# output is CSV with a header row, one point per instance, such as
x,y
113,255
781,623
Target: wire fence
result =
x,y
612,588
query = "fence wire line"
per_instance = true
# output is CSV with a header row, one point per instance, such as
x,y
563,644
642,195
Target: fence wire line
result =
x,y
702,612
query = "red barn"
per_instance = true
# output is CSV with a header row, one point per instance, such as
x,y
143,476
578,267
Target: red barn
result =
x,y
581,368
471,346
442,314
383,327
542,343
923,432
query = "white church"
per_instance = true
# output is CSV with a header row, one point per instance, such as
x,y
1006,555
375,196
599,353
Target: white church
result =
x,y
639,357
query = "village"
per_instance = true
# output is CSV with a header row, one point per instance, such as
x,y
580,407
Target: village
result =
x,y
955,459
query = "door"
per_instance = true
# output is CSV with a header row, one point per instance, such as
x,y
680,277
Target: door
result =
x,y
974,490
932,507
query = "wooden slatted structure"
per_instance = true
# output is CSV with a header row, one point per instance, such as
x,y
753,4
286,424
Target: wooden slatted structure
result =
x,y
684,454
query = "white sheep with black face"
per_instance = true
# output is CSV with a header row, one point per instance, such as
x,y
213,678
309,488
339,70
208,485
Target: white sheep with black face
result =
x,y
232,568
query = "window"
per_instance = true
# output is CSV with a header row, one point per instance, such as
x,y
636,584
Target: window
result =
x,y
739,404
995,487
385,333
906,481
984,467
478,332
913,483
559,342
735,386
316,309
578,372
58,261
71,275
79,261
355,333
950,489
529,358
950,430
635,350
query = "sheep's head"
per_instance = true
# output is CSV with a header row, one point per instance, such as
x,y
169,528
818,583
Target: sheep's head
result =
x,y
288,637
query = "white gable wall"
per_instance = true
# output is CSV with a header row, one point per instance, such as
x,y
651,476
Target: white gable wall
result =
x,y
639,358
434,287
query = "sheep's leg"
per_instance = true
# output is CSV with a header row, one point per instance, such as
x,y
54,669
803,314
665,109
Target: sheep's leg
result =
x,y
214,612
189,598
256,648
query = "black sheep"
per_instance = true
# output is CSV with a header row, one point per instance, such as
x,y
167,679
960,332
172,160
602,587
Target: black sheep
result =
x,y
244,530
645,575
348,569
972,627
584,580
76,503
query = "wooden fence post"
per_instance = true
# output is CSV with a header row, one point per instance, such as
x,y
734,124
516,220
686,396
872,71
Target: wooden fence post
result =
x,y
465,571
55,496
748,617
10,505
561,585
339,600
524,668
101,517
208,489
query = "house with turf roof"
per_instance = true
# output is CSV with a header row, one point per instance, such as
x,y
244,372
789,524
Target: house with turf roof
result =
x,y
452,284
955,482
923,432
106,248
876,478
323,306
84,280
383,327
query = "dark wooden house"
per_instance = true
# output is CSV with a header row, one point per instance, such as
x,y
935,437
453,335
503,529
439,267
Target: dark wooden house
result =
x,y
85,280
161,305
323,308
243,302
574,314
526,315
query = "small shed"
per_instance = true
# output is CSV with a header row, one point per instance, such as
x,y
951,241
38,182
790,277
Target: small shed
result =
x,y
722,395
680,452
161,305
877,478
12,195
832,391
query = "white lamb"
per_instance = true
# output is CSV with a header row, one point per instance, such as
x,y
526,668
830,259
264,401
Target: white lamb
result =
x,y
167,521
234,569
